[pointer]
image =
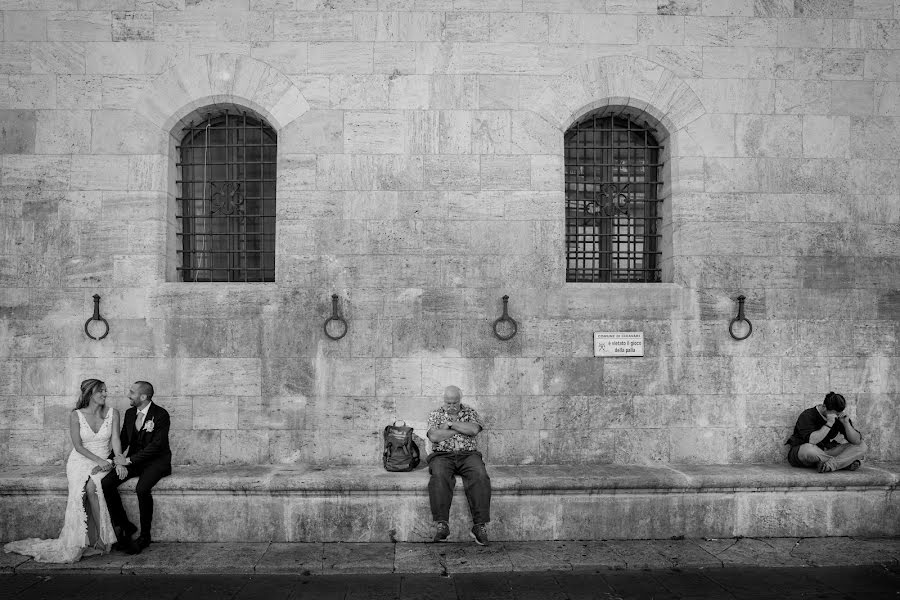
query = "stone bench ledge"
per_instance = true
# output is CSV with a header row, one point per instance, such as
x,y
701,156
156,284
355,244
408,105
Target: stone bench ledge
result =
x,y
506,480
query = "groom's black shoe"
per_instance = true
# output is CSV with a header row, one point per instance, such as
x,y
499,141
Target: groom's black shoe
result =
x,y
125,543
143,541
130,529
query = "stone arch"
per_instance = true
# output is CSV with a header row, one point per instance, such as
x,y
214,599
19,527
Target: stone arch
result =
x,y
195,87
214,79
624,81
650,91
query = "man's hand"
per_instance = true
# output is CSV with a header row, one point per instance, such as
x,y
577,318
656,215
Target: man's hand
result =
x,y
122,472
121,461
446,426
829,419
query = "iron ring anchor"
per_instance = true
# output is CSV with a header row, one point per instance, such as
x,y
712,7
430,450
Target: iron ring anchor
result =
x,y
505,318
335,317
96,317
740,318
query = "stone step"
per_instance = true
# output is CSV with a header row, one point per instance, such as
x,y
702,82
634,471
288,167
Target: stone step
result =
x,y
302,503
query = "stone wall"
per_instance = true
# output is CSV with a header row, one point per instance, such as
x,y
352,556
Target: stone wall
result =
x,y
420,177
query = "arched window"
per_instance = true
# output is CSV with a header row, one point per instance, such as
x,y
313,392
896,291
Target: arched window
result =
x,y
226,199
613,225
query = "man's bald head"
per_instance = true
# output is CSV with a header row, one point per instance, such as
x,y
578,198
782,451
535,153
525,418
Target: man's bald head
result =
x,y
144,388
451,391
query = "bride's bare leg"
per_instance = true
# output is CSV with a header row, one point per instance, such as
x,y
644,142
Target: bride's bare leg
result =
x,y
92,509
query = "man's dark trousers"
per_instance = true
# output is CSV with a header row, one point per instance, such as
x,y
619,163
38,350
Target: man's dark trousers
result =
x,y
148,476
444,466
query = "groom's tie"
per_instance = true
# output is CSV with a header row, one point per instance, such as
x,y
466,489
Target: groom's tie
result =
x,y
139,422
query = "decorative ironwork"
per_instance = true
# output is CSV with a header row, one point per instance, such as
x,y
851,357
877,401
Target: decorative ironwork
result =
x,y
335,318
505,318
613,230
226,199
96,318
740,318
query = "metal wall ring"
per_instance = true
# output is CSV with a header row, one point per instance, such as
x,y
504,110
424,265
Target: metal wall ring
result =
x,y
740,318
96,317
505,318
335,317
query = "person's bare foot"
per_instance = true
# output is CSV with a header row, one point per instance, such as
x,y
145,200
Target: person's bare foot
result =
x,y
854,465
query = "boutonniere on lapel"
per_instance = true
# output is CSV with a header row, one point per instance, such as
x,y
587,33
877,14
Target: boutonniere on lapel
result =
x,y
148,426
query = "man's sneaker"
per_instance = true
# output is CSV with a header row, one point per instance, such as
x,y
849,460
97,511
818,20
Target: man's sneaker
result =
x,y
441,532
479,532
854,465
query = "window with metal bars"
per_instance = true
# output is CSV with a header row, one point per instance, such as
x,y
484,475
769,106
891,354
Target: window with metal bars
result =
x,y
226,199
613,225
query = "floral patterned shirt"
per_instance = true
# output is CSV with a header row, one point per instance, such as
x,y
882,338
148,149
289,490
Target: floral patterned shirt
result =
x,y
459,442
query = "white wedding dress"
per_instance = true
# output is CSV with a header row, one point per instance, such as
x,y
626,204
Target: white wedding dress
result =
x,y
73,542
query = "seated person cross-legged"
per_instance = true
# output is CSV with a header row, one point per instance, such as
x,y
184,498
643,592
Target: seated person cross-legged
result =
x,y
813,442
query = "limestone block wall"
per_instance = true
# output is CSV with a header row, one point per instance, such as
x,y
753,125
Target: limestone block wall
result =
x,y
420,177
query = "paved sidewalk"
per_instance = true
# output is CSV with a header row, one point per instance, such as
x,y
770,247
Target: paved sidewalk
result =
x,y
328,559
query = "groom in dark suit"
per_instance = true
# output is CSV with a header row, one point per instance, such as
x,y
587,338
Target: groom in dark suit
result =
x,y
145,436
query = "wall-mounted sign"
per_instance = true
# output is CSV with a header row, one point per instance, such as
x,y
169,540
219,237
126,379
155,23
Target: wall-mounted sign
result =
x,y
618,343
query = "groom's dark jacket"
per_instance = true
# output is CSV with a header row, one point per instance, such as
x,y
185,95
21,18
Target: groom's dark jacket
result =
x,y
146,447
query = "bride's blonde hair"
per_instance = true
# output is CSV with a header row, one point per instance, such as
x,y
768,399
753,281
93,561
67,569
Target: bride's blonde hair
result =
x,y
88,387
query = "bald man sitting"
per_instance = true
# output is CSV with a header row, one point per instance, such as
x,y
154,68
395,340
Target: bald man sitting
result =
x,y
452,429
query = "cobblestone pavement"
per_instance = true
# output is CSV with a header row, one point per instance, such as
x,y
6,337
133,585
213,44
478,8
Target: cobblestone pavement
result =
x,y
866,582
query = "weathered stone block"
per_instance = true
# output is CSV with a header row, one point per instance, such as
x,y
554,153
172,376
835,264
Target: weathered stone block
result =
x,y
37,446
760,135
31,91
751,63
245,447
519,27
79,26
340,57
506,172
198,447
399,57
804,33
24,26
609,29
377,133
215,412
852,97
399,377
273,413
18,128
15,57
132,57
132,26
79,91
465,27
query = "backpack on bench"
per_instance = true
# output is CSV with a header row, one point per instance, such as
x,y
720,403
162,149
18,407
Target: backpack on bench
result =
x,y
400,450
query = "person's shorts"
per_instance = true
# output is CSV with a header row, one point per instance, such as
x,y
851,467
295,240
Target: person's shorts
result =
x,y
794,458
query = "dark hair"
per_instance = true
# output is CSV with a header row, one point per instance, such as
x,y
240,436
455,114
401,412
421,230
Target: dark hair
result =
x,y
145,388
835,402
88,387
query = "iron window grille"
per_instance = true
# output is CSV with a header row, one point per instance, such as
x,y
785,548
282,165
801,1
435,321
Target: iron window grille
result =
x,y
226,201
613,222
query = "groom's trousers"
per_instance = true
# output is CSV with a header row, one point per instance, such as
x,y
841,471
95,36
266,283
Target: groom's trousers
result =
x,y
148,475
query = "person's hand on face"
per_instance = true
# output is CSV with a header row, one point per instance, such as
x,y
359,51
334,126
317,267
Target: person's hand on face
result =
x,y
830,417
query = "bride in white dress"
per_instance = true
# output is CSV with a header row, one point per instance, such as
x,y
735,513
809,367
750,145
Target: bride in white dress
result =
x,y
87,528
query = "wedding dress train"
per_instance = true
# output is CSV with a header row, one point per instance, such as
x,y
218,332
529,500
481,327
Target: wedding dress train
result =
x,y
73,541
